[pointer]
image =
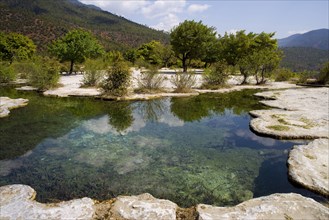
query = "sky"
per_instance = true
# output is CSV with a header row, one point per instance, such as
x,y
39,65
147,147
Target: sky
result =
x,y
283,17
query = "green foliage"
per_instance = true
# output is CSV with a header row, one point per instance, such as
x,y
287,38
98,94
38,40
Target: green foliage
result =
x,y
324,74
76,46
254,54
44,73
283,74
113,57
131,55
184,82
150,81
191,40
14,46
7,73
93,72
117,79
215,76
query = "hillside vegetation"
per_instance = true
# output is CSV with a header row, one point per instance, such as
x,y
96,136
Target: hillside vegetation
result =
x,y
299,59
44,21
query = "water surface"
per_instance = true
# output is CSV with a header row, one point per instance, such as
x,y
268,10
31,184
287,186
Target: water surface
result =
x,y
189,150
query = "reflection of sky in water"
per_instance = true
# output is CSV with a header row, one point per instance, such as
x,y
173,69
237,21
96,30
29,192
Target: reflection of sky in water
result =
x,y
211,158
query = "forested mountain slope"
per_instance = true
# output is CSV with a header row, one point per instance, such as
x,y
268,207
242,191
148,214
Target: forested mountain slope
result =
x,y
45,20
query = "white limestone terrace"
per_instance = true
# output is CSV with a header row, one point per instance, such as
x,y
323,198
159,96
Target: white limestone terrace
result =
x,y
17,202
297,114
308,165
6,104
300,114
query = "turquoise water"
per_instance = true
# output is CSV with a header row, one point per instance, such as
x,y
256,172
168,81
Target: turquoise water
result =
x,y
189,150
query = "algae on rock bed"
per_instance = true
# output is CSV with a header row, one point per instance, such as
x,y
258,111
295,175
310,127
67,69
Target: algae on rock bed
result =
x,y
208,156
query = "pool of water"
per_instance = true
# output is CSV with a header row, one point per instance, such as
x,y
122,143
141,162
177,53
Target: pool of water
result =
x,y
189,150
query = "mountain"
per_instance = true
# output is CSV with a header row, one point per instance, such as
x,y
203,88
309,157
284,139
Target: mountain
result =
x,y
46,20
318,39
300,59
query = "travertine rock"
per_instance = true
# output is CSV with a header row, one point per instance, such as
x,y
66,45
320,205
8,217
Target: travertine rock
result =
x,y
6,104
303,113
276,206
142,207
309,165
17,202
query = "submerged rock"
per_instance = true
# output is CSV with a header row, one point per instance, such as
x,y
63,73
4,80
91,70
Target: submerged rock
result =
x,y
17,202
6,104
309,165
276,206
144,206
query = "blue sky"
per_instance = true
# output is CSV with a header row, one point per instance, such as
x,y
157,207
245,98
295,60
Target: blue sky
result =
x,y
283,17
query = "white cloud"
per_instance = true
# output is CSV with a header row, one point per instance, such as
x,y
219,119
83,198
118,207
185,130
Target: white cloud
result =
x,y
297,32
167,22
159,14
197,8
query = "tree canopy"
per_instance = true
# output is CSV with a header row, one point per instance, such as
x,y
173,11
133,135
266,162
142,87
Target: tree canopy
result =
x,y
76,46
192,40
14,46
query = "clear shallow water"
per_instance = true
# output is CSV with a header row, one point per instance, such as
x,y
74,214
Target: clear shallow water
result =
x,y
189,150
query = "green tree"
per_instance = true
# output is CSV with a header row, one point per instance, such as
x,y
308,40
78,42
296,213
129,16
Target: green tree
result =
x,y
14,46
190,40
151,52
75,47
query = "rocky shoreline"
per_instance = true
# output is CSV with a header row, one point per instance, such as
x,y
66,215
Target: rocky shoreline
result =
x,y
17,202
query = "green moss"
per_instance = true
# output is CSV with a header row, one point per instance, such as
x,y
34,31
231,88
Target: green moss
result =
x,y
278,127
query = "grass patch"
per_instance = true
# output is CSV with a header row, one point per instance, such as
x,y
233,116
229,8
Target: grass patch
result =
x,y
278,127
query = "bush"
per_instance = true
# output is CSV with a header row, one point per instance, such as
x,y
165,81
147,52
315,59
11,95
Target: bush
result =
x,y
150,81
93,72
215,76
117,79
23,69
283,74
184,82
44,74
324,74
307,77
7,73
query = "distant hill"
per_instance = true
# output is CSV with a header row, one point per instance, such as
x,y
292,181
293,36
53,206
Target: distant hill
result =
x,y
46,20
299,59
318,39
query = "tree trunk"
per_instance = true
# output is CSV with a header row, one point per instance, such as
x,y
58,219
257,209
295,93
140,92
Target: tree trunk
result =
x,y
71,67
245,76
184,64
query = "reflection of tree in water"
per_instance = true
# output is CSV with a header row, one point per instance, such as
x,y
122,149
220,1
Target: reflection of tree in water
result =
x,y
198,107
151,110
120,115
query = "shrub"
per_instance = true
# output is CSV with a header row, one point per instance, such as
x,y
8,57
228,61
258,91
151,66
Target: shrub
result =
x,y
150,81
7,73
307,77
215,76
184,82
93,72
283,74
324,74
117,79
44,74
